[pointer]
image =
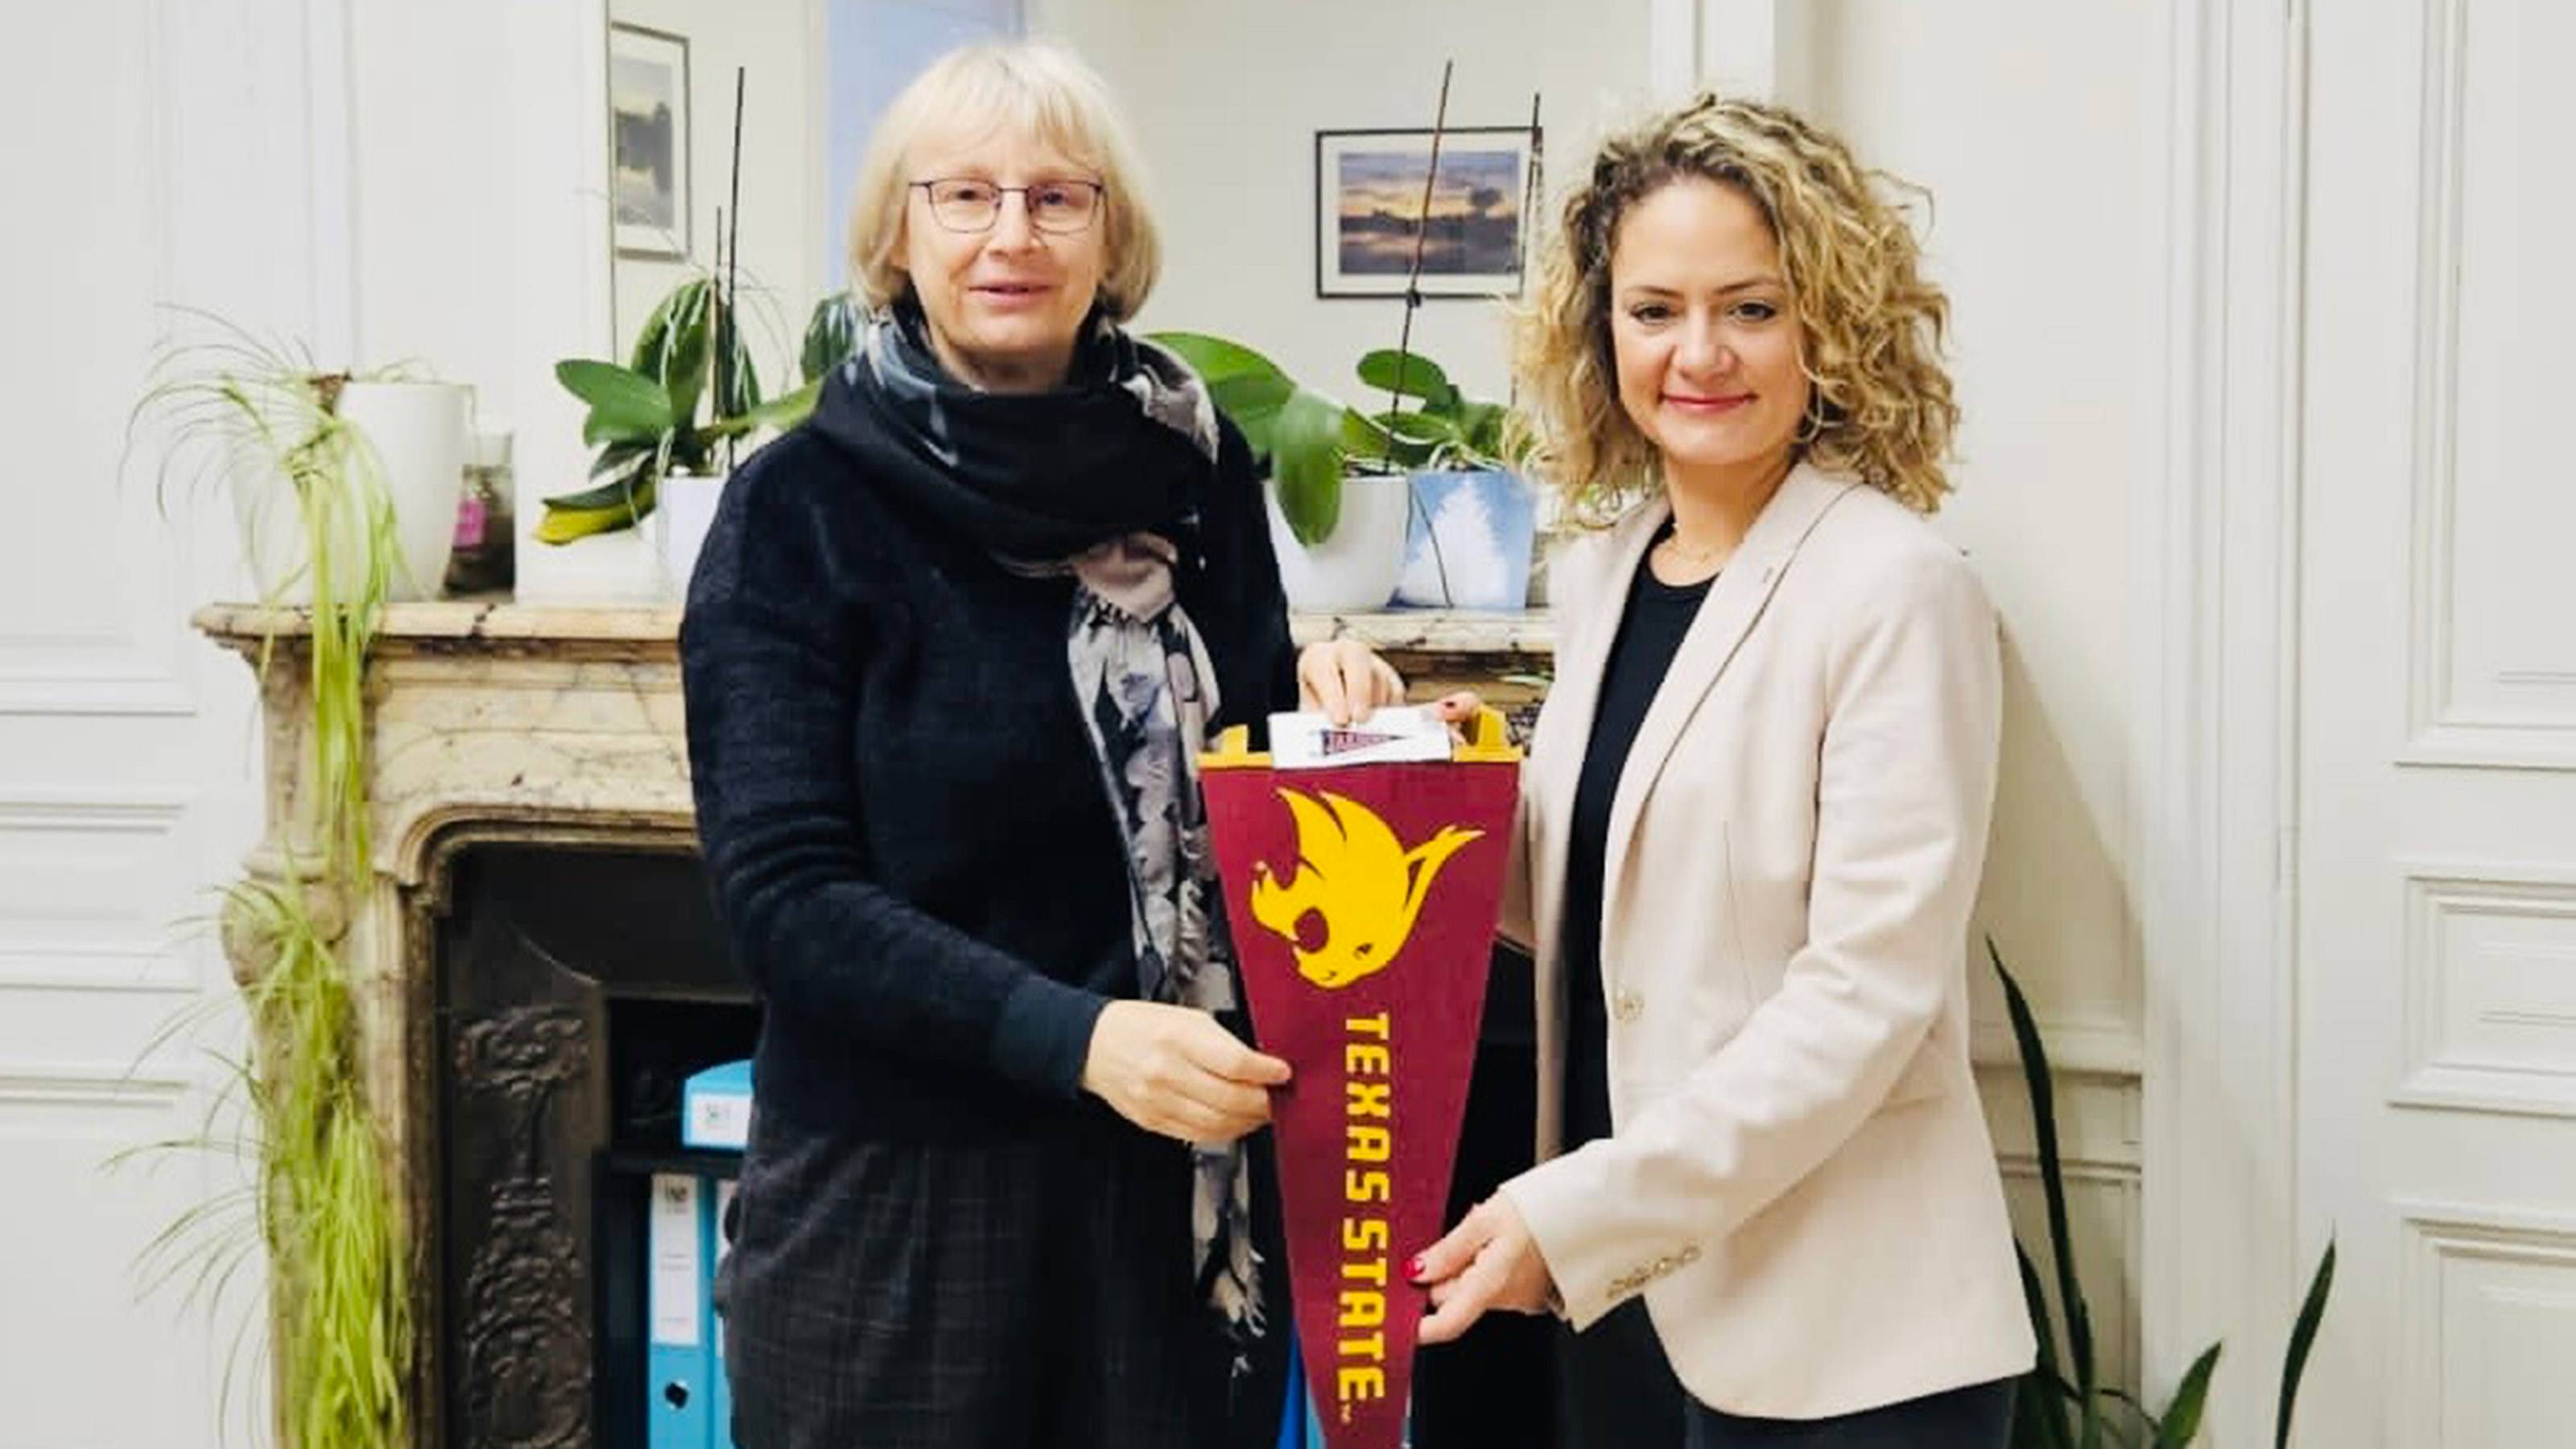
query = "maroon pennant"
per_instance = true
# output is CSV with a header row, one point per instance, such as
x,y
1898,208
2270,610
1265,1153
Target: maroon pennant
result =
x,y
1363,900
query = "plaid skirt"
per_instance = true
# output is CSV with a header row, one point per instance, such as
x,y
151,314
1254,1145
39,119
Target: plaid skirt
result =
x,y
1027,1293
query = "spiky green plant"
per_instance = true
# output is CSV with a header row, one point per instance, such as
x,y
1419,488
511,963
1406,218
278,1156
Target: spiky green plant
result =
x,y
259,418
2063,1404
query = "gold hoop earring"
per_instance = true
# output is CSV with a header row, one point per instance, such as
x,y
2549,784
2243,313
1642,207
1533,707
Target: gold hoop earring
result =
x,y
1812,425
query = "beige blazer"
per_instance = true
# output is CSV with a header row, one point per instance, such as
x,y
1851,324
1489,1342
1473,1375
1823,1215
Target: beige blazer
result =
x,y
1800,1182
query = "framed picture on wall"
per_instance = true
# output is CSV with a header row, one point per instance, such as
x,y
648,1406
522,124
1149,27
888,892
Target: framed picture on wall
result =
x,y
1368,192
648,128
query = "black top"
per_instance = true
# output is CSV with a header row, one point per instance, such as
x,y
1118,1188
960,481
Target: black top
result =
x,y
902,814
1650,633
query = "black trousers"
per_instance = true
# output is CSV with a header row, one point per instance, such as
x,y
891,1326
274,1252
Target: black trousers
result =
x,y
1976,1417
1618,1391
1615,1387
1033,1293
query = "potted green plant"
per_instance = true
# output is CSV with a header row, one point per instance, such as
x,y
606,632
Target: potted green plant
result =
x,y
317,475
1338,494
1360,500
2063,1403
689,387
321,467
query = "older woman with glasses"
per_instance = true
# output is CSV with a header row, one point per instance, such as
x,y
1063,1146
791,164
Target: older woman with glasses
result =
x,y
950,653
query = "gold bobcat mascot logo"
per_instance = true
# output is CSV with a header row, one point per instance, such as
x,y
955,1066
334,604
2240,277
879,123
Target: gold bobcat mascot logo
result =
x,y
1357,879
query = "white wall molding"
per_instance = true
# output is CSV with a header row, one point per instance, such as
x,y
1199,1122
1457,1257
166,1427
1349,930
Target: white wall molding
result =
x,y
2489,1022
88,1086
1728,46
2090,1044
2529,727
2464,1263
2215,604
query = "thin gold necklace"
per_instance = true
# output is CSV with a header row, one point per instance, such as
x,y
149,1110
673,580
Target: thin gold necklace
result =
x,y
1674,545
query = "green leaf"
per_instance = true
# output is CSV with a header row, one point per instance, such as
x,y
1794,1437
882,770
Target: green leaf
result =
x,y
782,412
652,337
2041,1414
2303,1336
1306,465
1423,428
598,428
673,346
623,404
621,457
741,391
1480,428
563,524
2052,1179
612,494
1408,374
1396,441
1252,400
2181,1421
831,335
1215,359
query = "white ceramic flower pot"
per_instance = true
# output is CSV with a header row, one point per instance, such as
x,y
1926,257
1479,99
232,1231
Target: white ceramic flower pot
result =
x,y
412,438
1355,569
684,507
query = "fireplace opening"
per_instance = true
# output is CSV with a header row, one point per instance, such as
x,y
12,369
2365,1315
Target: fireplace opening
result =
x,y
575,987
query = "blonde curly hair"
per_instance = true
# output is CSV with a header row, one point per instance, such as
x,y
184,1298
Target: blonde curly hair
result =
x,y
1871,327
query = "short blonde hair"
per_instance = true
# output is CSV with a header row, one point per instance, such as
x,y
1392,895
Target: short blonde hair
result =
x,y
1870,325
1043,89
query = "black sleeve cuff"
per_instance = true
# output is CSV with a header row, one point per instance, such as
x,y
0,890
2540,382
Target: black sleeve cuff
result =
x,y
1043,1035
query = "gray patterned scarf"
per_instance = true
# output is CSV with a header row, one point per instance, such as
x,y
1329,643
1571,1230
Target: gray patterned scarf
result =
x,y
1147,692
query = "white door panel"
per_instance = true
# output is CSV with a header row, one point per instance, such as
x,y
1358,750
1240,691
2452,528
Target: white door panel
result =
x,y
2436,840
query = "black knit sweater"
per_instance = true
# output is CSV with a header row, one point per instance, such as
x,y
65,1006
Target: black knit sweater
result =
x,y
911,846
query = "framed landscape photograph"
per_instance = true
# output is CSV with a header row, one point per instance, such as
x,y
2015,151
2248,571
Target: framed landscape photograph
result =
x,y
1368,192
648,127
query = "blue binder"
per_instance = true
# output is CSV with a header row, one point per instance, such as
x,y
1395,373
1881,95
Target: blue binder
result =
x,y
715,1107
676,1357
719,1383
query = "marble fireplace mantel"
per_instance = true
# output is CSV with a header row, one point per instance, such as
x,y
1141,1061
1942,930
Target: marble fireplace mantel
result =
x,y
498,724
498,712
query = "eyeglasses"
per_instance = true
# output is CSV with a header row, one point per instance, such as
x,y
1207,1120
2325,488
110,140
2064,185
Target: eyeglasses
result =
x,y
1055,207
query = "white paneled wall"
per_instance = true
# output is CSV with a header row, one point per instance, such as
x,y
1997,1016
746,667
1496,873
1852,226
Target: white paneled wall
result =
x,y
2115,213
159,151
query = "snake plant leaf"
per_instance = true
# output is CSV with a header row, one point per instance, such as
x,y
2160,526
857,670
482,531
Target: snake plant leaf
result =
x,y
2043,1109
831,335
1409,374
2040,1416
1306,464
2181,1422
625,405
2303,1336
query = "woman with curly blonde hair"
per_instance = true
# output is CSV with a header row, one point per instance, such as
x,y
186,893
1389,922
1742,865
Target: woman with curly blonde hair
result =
x,y
1752,826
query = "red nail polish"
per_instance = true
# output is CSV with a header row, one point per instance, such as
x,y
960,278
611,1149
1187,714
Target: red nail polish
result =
x,y
1414,1269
